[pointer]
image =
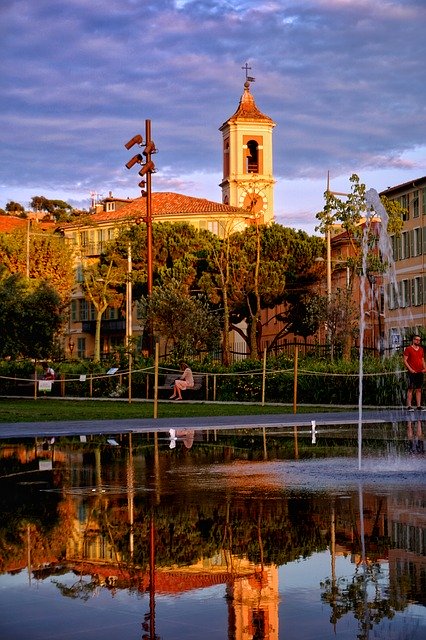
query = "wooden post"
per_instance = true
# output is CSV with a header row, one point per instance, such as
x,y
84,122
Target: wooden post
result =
x,y
296,358
264,377
265,450
296,445
156,380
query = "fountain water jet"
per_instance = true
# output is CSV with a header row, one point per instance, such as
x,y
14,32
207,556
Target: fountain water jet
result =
x,y
374,207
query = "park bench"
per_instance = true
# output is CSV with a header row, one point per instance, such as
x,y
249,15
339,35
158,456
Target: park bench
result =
x,y
171,377
27,383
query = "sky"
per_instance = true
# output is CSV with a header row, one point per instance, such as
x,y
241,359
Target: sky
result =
x,y
343,80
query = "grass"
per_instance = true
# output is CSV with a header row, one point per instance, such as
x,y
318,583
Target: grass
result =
x,y
48,409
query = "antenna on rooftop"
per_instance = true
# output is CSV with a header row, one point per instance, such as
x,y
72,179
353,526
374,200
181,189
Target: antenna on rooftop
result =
x,y
94,198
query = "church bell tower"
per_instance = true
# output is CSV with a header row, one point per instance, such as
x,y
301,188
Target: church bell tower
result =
x,y
247,158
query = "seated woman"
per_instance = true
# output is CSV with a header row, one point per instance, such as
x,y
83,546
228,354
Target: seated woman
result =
x,y
186,381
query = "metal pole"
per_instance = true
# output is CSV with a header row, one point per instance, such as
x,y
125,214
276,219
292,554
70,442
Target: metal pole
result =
x,y
148,210
329,265
28,249
156,380
129,327
149,231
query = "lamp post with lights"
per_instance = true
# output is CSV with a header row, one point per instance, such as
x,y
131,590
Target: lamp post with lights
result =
x,y
147,169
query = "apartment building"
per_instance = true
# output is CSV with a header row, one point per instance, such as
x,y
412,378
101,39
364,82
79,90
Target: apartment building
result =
x,y
405,299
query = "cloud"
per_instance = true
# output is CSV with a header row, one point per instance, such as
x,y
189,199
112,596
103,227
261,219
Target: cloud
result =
x,y
342,80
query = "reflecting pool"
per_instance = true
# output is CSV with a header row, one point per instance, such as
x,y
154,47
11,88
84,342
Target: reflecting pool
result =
x,y
260,534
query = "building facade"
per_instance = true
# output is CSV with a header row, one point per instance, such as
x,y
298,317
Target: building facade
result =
x,y
89,241
405,303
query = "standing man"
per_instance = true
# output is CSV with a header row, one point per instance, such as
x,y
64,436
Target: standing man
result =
x,y
414,361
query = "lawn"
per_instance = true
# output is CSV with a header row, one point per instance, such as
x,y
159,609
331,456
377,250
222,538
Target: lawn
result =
x,y
49,409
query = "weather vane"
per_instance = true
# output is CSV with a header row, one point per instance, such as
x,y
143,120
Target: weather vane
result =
x,y
246,69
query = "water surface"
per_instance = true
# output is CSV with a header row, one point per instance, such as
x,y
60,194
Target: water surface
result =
x,y
253,533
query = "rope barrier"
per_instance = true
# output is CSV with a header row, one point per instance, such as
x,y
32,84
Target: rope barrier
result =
x,y
164,370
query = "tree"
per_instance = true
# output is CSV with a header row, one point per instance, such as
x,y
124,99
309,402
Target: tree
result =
x,y
350,214
100,288
179,257
216,279
45,256
30,317
60,209
186,322
14,208
179,253
268,263
241,273
39,203
302,317
362,231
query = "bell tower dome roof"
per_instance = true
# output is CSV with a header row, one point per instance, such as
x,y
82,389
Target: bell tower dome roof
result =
x,y
247,109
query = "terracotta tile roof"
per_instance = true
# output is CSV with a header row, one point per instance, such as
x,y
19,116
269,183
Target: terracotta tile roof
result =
x,y
167,204
247,109
11,223
167,581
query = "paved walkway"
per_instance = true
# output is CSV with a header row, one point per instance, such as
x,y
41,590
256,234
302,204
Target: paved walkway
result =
x,y
134,425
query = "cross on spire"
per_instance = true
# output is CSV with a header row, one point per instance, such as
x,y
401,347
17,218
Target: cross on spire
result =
x,y
246,68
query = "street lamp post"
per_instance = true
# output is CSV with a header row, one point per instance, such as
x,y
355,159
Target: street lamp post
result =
x,y
146,171
71,346
129,327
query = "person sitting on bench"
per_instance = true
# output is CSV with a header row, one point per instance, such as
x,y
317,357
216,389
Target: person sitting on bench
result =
x,y
186,381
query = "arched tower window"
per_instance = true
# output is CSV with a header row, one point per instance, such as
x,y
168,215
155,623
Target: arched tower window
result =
x,y
252,158
226,158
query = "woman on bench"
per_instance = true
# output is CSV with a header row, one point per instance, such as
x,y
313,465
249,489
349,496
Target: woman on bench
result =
x,y
186,381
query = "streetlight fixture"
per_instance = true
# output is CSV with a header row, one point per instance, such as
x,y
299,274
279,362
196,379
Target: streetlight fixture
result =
x,y
71,346
146,171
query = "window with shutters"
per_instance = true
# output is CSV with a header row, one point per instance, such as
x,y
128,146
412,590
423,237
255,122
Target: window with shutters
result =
x,y
81,347
405,245
417,242
406,293
405,203
417,291
84,310
415,201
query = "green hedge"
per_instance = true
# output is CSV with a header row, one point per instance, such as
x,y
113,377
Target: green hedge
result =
x,y
319,382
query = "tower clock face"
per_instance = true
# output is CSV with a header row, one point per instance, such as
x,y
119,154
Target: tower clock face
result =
x,y
254,202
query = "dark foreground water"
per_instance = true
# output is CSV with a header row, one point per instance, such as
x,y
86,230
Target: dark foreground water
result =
x,y
247,534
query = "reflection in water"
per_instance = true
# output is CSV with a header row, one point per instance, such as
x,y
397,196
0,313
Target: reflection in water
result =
x,y
212,520
185,435
415,437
